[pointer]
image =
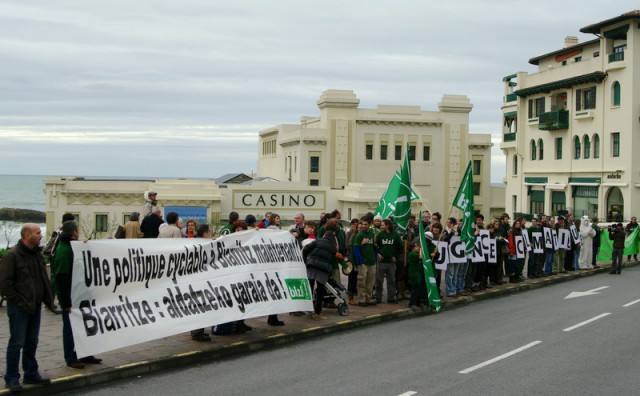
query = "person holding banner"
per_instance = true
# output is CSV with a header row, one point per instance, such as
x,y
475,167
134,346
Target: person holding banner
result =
x,y
516,256
451,275
63,257
558,260
628,229
595,247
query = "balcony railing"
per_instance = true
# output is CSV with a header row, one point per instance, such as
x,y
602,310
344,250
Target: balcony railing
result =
x,y
616,57
510,98
553,120
509,137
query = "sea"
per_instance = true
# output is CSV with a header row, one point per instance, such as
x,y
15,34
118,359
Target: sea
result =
x,y
21,192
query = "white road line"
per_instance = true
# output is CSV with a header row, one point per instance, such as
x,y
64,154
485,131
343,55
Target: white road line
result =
x,y
586,322
498,358
409,393
631,303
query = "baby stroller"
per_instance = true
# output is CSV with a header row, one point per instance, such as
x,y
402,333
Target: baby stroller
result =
x,y
339,295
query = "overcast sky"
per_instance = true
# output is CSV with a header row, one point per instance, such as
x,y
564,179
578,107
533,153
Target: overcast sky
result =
x,y
181,88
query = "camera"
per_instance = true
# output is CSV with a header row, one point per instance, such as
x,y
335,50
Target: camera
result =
x,y
613,228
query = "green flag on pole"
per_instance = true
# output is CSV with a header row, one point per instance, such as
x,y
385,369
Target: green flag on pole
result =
x,y
464,202
429,274
396,200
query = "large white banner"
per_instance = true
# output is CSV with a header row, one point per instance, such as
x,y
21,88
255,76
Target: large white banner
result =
x,y
129,291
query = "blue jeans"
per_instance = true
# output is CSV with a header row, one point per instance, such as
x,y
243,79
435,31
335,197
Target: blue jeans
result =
x,y
576,258
23,330
67,339
451,278
462,273
548,263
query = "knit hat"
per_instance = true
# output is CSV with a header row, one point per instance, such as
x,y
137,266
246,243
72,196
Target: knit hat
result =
x,y
377,217
428,235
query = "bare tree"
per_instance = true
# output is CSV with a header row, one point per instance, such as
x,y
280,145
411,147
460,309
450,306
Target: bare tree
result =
x,y
85,225
9,230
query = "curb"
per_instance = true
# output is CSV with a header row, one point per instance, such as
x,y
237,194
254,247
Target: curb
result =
x,y
241,348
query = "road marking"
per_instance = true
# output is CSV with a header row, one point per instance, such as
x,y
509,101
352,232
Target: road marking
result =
x,y
132,364
344,322
311,328
631,303
373,316
187,353
67,377
586,293
408,393
587,321
277,335
498,358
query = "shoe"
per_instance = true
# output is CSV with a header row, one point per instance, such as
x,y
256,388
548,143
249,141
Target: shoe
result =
x,y
612,272
202,337
13,386
76,365
316,316
245,327
361,304
275,322
39,380
93,359
352,301
55,310
596,266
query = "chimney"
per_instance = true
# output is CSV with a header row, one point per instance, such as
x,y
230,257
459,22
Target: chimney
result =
x,y
570,41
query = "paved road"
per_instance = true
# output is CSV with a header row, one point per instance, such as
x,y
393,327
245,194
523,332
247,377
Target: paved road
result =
x,y
533,343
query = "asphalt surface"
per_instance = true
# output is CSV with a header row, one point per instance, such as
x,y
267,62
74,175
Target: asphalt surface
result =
x,y
383,356
534,343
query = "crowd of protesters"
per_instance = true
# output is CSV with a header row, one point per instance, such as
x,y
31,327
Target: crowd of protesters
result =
x,y
377,261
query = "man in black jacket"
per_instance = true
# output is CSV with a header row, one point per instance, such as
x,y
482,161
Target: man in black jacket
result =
x,y
25,284
616,234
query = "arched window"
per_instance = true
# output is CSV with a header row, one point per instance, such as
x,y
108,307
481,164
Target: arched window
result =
x,y
515,164
534,151
540,149
586,147
615,94
596,146
576,145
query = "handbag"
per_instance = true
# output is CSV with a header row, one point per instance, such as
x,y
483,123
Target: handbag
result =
x,y
120,233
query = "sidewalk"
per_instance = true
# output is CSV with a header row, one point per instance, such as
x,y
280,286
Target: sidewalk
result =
x,y
181,351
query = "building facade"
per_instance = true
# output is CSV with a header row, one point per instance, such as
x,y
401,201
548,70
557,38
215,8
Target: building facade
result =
x,y
571,130
342,159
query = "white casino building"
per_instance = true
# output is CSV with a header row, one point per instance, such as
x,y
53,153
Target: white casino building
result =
x,y
341,159
571,130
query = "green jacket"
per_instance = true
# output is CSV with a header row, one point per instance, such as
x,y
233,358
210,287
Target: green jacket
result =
x,y
389,244
62,259
414,268
364,252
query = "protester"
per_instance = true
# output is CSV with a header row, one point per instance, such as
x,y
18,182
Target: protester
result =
x,y
596,242
617,235
228,228
132,227
25,285
63,259
150,226
49,250
388,244
365,258
318,256
171,230
416,276
628,229
192,227
149,203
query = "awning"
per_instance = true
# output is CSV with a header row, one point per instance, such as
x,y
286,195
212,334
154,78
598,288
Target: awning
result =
x,y
555,186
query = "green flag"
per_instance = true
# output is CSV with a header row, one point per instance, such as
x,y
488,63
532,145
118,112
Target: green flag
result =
x,y
396,200
464,202
429,275
631,245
